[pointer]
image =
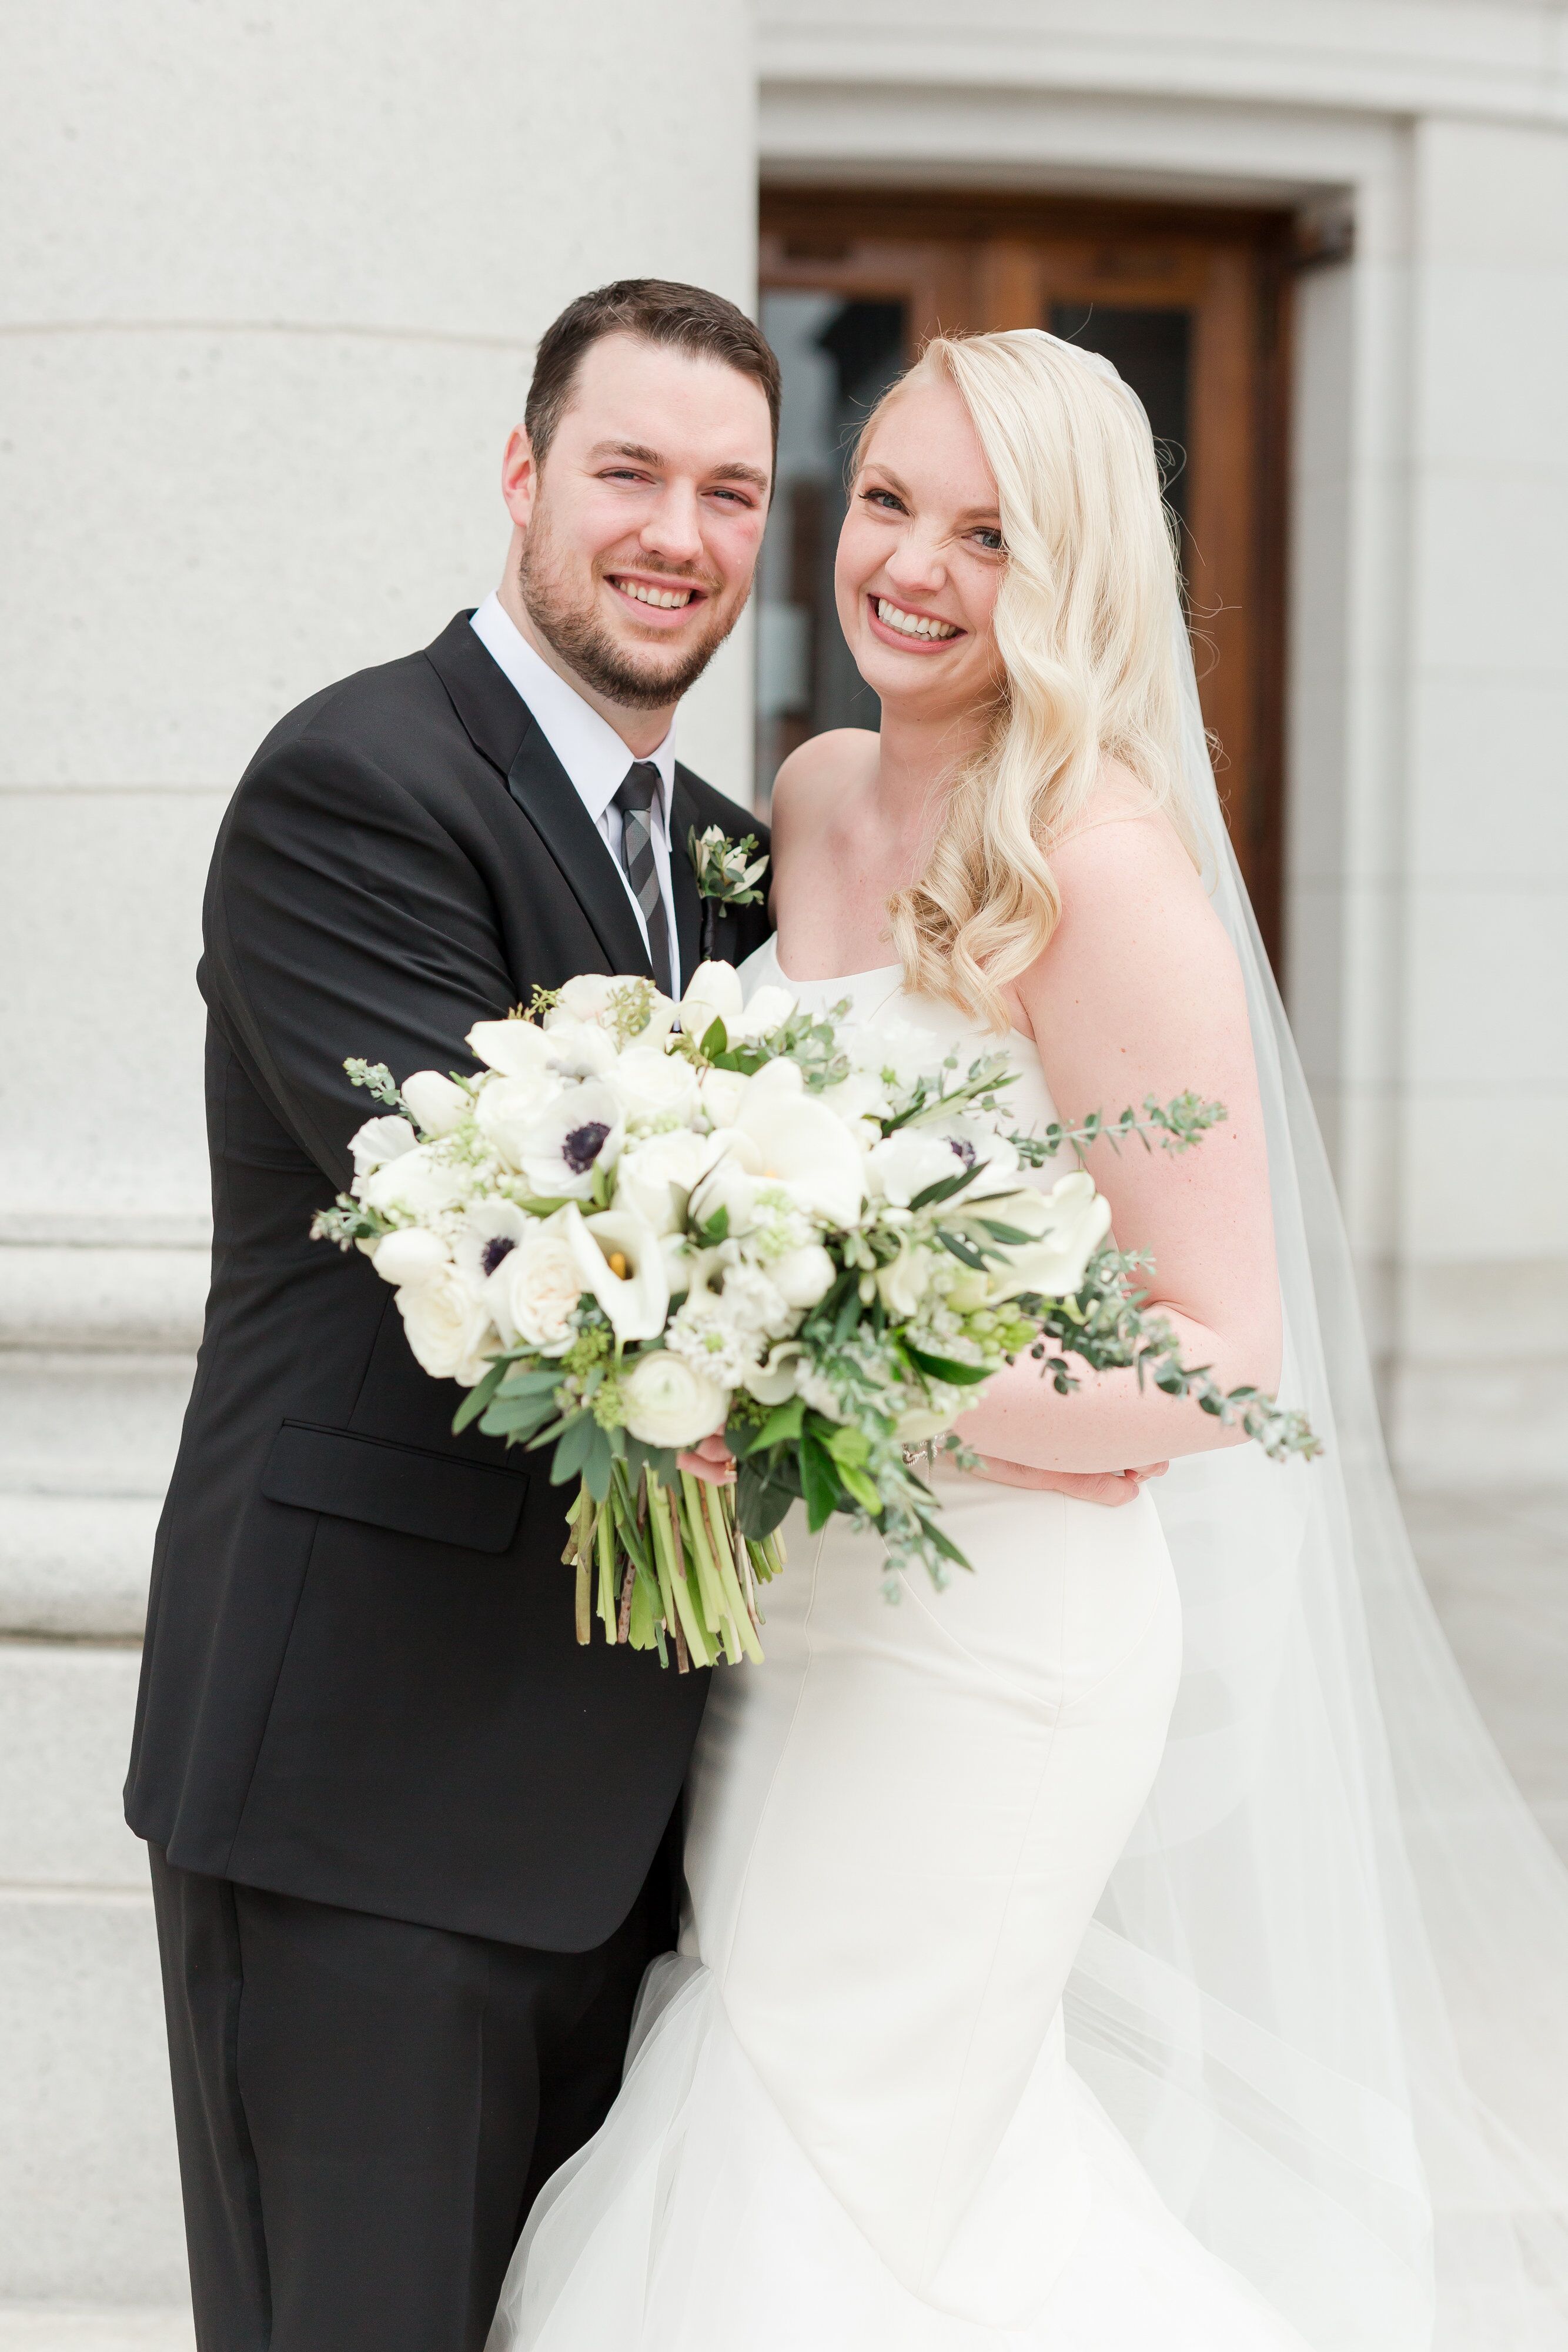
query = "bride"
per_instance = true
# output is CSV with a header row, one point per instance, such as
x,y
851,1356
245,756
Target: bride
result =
x,y
1093,1956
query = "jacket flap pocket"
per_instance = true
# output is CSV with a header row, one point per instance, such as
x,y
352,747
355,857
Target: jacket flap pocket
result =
x,y
402,1487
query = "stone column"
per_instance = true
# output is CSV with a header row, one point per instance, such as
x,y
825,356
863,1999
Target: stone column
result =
x,y
275,278
1482,1385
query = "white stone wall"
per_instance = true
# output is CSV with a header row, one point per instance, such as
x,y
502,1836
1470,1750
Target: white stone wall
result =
x,y
274,276
1428,867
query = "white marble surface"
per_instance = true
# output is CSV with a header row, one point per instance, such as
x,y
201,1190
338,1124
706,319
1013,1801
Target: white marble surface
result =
x,y
43,2329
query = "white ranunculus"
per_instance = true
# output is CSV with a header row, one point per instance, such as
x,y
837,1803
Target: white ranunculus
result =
x,y
903,1284
535,1287
448,1328
667,1402
379,1141
437,1103
905,1162
650,1084
1076,1221
765,1009
410,1257
582,1132
515,1048
722,1092
811,1155
655,1179
713,993
417,1182
621,1259
803,1275
508,1111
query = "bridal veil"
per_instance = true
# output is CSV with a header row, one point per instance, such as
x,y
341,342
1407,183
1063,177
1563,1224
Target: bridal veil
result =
x,y
1322,1997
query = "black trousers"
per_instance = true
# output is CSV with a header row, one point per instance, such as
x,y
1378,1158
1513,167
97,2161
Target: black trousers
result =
x,y
366,2109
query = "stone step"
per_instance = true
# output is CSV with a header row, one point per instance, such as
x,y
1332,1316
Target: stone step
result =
x,y
142,1300
66,1713
90,1425
89,2200
50,2327
75,1564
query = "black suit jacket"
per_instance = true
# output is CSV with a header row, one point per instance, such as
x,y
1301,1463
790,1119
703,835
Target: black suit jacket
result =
x,y
362,1682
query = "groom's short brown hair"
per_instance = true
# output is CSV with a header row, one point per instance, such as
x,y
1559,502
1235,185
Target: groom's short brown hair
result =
x,y
682,317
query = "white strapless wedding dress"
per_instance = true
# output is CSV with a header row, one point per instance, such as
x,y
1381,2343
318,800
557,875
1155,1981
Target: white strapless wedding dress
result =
x,y
848,2122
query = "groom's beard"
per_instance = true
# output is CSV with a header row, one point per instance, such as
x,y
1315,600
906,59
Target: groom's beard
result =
x,y
585,644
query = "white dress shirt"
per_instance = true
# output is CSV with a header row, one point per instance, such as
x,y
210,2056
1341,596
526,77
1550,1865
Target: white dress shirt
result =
x,y
590,751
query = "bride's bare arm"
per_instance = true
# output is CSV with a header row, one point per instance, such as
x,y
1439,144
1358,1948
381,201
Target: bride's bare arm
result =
x,y
1139,993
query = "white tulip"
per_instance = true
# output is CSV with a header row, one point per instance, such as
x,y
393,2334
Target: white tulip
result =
x,y
417,1182
534,1288
655,1179
667,1402
410,1257
804,1150
803,1275
1077,1221
620,1258
650,1084
515,1048
721,1093
580,1133
379,1141
448,1328
713,993
437,1103
765,1009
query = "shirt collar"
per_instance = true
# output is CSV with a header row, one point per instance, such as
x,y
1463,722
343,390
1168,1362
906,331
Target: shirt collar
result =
x,y
587,746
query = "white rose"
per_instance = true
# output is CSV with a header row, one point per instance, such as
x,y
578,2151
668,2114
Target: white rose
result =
x,y
379,1141
765,1009
535,1289
903,1284
417,1182
650,1084
1074,1221
582,1132
509,1109
515,1048
667,1402
437,1103
655,1179
410,1257
713,993
448,1328
722,1092
803,1275
905,1162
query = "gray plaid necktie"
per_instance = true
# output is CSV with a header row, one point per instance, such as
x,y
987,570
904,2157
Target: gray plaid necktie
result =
x,y
636,801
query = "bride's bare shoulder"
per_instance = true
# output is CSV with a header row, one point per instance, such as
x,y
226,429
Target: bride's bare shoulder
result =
x,y
810,787
1121,835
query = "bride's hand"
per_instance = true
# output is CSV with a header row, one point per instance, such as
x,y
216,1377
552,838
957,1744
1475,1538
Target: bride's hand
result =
x,y
1110,1488
712,1460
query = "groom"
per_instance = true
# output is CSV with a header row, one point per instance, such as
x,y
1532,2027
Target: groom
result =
x,y
407,1839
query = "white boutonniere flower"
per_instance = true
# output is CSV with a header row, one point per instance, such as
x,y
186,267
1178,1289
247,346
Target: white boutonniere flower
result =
x,y
728,873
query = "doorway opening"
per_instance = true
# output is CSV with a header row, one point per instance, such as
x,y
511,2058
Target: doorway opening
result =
x,y
1190,305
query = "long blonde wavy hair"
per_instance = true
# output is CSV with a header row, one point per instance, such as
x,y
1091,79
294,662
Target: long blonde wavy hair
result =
x,y
1086,620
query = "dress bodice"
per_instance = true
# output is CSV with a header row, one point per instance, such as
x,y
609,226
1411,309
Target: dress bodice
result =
x,y
881,997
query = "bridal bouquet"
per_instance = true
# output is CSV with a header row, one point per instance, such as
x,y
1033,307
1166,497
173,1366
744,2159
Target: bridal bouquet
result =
x,y
642,1224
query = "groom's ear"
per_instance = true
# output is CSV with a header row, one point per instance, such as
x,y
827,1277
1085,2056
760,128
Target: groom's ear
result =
x,y
520,476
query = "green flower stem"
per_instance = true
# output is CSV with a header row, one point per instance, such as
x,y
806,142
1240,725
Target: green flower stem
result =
x,y
710,1583
717,1500
604,1537
679,1603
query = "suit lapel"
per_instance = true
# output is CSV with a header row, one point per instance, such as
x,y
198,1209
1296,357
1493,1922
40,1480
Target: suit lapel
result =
x,y
683,879
549,800
502,727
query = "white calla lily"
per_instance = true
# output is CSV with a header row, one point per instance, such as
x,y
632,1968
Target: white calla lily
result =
x,y
621,1261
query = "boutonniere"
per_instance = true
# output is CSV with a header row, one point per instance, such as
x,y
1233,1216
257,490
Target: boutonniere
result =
x,y
725,876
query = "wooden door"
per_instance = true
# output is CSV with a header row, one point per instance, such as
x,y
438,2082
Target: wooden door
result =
x,y
1190,305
